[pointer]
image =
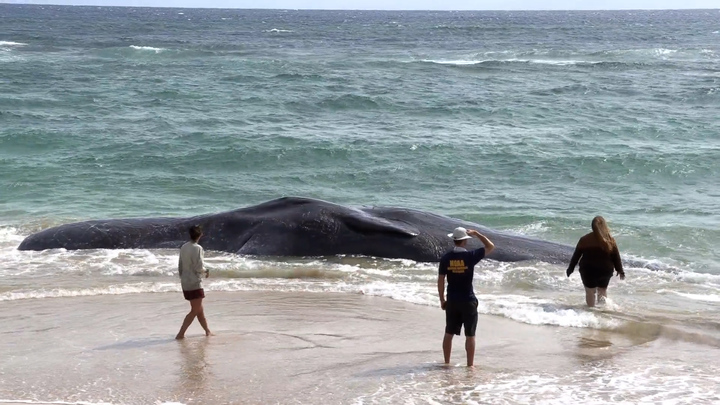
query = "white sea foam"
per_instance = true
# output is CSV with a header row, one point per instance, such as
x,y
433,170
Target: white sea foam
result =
x,y
520,308
663,51
408,292
121,289
554,62
410,284
459,62
51,273
595,384
463,62
506,52
101,262
11,43
533,228
542,312
655,270
10,235
694,297
416,294
276,30
148,48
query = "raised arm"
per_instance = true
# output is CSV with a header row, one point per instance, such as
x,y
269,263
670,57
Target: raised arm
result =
x,y
489,246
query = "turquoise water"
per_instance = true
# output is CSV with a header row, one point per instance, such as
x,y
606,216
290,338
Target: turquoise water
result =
x,y
543,117
532,122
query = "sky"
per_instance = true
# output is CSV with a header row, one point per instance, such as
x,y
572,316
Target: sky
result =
x,y
400,4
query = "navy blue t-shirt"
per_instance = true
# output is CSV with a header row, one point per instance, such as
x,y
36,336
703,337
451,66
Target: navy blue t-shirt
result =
x,y
459,266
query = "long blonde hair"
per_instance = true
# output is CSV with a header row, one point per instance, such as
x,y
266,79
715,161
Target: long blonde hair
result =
x,y
602,234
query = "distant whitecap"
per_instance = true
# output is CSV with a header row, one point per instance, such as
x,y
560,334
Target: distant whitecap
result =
x,y
11,43
147,48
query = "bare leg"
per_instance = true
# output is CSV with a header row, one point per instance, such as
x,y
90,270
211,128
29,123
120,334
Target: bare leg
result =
x,y
447,346
590,296
203,321
195,310
189,318
470,349
602,294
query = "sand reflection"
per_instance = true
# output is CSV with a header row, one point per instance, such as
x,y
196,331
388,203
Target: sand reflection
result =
x,y
194,372
594,345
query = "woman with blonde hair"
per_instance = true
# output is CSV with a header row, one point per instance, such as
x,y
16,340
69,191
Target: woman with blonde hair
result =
x,y
598,255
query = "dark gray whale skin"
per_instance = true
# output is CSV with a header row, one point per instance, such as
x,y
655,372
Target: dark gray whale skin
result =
x,y
294,226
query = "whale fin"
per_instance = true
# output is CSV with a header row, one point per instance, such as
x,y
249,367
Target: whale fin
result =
x,y
362,222
263,244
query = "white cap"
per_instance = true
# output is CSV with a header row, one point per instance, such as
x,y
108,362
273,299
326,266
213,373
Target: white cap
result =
x,y
459,233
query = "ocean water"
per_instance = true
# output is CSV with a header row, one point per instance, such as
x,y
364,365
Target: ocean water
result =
x,y
530,122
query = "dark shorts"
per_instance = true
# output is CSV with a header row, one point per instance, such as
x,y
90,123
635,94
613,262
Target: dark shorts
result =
x,y
194,294
459,314
594,280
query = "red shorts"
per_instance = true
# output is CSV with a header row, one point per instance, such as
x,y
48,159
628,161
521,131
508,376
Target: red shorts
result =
x,y
194,294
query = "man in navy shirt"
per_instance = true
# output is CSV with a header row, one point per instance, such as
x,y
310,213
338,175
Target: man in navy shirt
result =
x,y
458,265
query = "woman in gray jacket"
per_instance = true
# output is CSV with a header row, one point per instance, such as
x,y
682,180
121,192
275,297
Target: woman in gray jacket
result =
x,y
191,269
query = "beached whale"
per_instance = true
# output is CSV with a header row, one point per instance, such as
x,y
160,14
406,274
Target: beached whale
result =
x,y
293,226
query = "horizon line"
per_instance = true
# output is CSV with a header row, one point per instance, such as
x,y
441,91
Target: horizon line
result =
x,y
340,9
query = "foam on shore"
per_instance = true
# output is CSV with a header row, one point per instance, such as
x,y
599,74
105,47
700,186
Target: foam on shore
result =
x,y
277,347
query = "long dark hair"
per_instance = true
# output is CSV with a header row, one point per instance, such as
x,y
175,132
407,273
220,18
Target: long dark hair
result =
x,y
602,233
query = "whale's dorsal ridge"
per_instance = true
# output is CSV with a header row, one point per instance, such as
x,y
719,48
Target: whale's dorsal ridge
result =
x,y
365,223
284,203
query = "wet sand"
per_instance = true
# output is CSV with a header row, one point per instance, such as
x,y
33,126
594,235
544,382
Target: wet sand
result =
x,y
272,347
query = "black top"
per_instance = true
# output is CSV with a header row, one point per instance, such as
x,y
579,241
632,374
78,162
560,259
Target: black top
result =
x,y
594,259
459,265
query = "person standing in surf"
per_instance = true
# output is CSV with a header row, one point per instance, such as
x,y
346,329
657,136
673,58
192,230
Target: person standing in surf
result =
x,y
191,268
458,266
598,255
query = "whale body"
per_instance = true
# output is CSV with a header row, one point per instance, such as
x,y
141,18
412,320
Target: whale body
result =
x,y
300,227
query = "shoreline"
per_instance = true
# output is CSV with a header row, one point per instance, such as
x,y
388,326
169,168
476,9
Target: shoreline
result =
x,y
272,347
308,333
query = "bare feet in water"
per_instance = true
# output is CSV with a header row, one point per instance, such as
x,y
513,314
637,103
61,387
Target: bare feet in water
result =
x,y
179,336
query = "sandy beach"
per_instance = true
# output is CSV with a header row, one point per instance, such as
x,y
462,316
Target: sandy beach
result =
x,y
306,348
